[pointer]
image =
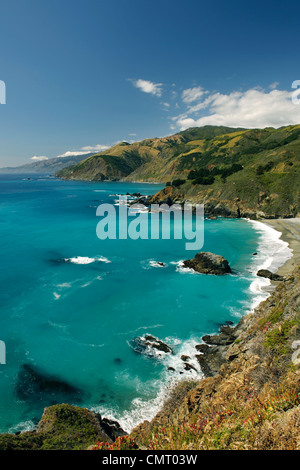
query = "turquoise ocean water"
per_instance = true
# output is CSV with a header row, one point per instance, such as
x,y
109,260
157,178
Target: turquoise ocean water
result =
x,y
76,320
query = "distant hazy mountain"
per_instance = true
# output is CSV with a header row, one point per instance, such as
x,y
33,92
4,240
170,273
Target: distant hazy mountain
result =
x,y
50,166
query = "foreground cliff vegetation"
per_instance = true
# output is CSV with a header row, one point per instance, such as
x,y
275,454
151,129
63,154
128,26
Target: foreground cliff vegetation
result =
x,y
251,402
234,172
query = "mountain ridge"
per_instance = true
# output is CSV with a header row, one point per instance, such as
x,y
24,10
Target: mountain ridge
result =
x,y
51,165
235,172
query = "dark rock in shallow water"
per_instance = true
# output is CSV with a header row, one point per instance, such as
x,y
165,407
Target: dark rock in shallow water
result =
x,y
269,275
188,366
208,263
34,385
150,346
185,358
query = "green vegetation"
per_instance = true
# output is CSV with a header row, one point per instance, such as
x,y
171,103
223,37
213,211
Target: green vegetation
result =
x,y
258,167
63,427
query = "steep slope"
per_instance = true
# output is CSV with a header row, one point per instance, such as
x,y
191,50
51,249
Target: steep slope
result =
x,y
249,173
150,159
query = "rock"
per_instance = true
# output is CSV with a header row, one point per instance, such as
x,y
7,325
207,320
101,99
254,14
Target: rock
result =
x,y
111,428
185,358
269,275
211,361
208,263
225,337
34,385
188,366
203,348
214,349
150,345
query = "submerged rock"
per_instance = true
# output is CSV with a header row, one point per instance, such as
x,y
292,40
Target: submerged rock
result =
x,y
35,385
269,275
208,263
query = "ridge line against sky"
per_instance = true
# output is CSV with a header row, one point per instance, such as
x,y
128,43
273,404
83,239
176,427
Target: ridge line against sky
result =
x,y
81,76
255,108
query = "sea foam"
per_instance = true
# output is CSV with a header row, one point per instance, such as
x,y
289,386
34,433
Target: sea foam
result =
x,y
272,253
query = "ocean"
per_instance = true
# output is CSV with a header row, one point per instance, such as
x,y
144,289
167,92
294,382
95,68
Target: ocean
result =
x,y
72,305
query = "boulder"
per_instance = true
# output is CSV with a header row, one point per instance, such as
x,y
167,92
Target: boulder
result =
x,y
208,263
269,275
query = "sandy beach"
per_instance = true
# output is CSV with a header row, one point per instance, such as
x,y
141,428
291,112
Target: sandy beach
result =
x,y
290,233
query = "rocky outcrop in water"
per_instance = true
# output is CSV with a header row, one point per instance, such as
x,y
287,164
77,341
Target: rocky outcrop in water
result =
x,y
150,345
269,275
208,263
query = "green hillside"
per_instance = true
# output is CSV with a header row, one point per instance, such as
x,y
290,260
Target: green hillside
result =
x,y
235,172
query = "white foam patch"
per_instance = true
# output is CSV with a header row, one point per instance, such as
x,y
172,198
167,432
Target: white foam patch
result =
x,y
64,285
24,426
183,269
87,260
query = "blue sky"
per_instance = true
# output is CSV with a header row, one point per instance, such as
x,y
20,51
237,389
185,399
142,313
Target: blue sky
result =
x,y
83,75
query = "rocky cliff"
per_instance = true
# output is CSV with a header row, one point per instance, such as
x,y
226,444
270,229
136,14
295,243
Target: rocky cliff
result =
x,y
250,398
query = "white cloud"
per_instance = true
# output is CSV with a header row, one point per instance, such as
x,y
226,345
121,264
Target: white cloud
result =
x,y
84,150
273,85
192,94
251,109
95,148
148,87
38,159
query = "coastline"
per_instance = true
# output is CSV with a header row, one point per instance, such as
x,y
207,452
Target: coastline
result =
x,y
214,348
282,261
290,233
